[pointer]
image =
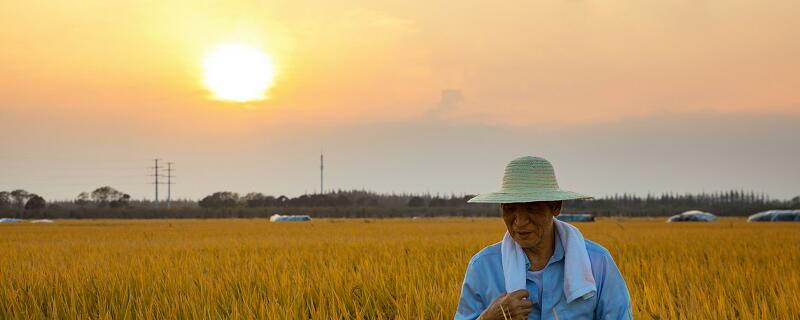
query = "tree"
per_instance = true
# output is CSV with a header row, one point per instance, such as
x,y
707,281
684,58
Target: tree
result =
x,y
35,203
437,202
83,199
20,196
416,202
121,202
5,199
255,199
282,201
109,197
103,194
224,199
342,201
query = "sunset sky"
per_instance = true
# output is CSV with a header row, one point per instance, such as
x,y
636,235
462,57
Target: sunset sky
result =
x,y
403,96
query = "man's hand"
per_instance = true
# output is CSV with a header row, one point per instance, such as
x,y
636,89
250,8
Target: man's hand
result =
x,y
511,306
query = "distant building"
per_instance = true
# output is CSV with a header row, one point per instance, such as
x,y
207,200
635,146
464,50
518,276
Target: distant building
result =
x,y
280,218
775,216
693,216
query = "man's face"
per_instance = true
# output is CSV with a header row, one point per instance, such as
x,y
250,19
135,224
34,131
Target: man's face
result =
x,y
528,222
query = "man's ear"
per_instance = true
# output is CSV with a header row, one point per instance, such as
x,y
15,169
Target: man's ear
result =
x,y
557,208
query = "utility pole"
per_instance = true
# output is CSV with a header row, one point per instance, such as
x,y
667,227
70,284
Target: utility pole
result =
x,y
169,184
321,190
155,176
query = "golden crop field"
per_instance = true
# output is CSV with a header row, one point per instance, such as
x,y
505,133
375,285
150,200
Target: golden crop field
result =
x,y
368,269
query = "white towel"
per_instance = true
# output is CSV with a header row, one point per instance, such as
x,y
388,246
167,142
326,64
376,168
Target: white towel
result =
x,y
578,279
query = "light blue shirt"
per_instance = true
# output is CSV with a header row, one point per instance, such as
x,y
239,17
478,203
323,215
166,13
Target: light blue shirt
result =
x,y
484,282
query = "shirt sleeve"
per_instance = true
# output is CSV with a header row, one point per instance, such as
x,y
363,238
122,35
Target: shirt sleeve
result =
x,y
614,301
470,305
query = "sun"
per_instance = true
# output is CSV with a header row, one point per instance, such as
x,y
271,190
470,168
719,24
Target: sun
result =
x,y
238,72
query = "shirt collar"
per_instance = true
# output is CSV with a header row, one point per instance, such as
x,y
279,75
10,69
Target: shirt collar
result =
x,y
558,252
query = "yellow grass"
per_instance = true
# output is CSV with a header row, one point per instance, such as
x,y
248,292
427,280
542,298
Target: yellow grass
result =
x,y
368,269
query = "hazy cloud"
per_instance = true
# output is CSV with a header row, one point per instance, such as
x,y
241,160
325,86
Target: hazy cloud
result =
x,y
449,101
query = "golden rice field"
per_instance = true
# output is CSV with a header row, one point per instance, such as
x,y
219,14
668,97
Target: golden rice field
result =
x,y
368,269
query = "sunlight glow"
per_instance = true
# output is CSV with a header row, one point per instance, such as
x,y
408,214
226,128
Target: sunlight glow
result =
x,y
237,72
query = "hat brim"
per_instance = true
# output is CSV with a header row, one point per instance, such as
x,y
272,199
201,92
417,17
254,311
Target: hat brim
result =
x,y
532,196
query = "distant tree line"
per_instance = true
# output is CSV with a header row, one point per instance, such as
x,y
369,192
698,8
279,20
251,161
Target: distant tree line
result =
x,y
729,203
107,202
227,199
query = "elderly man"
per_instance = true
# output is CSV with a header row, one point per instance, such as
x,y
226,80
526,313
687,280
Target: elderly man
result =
x,y
543,268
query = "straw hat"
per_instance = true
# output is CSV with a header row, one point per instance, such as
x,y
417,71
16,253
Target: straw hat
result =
x,y
528,179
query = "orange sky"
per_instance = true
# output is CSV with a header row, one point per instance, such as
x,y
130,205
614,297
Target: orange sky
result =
x,y
130,72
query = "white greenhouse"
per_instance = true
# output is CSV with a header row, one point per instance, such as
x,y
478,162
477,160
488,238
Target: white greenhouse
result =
x,y
575,217
280,218
775,216
693,216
